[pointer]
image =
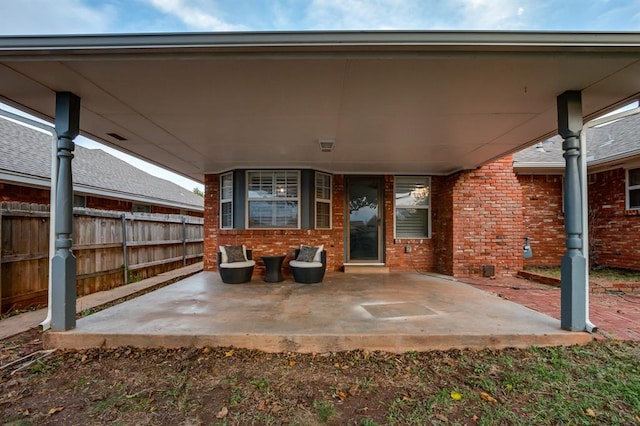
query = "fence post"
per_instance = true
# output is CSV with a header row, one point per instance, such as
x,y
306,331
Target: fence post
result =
x,y
184,241
125,258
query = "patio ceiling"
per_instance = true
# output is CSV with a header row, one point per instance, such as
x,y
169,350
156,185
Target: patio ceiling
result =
x,y
395,102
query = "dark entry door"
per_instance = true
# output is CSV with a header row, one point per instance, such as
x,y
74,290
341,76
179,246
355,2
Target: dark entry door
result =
x,y
365,219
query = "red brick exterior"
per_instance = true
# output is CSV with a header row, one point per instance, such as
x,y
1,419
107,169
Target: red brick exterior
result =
x,y
487,220
543,218
276,241
26,194
476,221
420,257
614,232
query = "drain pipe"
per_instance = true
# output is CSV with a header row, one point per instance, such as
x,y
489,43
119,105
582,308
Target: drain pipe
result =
x,y
46,324
590,327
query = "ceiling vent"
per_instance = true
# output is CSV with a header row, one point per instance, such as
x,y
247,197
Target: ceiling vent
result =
x,y
117,136
326,145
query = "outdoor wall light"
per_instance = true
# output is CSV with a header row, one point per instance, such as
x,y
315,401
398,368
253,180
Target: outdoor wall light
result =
x,y
326,145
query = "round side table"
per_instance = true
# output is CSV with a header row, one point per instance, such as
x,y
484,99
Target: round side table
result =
x,y
273,268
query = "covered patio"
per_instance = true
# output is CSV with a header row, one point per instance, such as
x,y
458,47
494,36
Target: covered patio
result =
x,y
391,312
227,108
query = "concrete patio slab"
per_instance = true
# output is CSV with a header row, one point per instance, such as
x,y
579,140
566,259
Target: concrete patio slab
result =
x,y
390,312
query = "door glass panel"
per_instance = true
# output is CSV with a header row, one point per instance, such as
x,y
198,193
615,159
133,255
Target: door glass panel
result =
x,y
364,220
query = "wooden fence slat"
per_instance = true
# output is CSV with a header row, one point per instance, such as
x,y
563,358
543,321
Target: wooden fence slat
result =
x,y
105,243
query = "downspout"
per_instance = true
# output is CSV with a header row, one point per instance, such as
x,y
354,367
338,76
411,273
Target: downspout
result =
x,y
46,324
590,327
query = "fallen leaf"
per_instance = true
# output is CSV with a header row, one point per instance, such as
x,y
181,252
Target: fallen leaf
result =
x,y
229,353
55,410
340,394
354,390
222,413
292,363
457,396
487,397
475,418
590,412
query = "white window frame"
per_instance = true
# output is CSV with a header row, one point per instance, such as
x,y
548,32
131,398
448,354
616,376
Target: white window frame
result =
x,y
319,200
272,199
630,188
425,207
223,201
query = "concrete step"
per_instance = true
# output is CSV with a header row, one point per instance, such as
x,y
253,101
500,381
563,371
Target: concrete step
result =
x,y
365,268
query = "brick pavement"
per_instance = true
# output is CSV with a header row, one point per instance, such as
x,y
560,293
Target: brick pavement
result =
x,y
616,316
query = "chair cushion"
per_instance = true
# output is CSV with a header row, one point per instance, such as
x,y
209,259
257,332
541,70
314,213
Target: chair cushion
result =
x,y
225,258
304,264
245,264
235,254
307,254
317,256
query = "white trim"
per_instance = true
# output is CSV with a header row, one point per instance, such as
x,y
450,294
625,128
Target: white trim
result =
x,y
226,200
317,200
272,199
425,207
629,188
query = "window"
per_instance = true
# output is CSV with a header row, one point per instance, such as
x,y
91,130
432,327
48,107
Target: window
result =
x,y
226,201
272,198
141,208
323,201
633,189
413,206
79,201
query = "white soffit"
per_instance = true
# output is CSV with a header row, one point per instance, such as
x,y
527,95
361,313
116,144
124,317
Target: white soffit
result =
x,y
394,102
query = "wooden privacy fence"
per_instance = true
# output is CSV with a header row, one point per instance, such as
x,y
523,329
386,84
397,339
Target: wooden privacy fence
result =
x,y
111,249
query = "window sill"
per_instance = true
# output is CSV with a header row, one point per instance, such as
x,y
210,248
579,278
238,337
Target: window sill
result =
x,y
632,212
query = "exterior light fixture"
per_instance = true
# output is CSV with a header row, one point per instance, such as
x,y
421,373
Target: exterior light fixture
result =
x,y
326,145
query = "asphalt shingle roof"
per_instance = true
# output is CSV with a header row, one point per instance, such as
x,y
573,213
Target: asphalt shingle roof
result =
x,y
27,152
612,141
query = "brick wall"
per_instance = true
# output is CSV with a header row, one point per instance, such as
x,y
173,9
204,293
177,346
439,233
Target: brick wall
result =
x,y
487,220
276,241
420,257
614,231
442,217
543,218
476,221
24,194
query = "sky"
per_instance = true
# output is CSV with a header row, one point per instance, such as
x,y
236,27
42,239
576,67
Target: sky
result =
x,y
38,17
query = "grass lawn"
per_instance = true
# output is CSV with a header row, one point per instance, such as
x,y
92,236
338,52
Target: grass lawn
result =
x,y
598,383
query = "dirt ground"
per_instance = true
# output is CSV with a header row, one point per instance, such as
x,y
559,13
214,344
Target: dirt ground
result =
x,y
230,386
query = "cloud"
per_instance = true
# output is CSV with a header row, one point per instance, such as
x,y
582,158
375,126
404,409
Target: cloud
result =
x,y
39,17
419,14
195,15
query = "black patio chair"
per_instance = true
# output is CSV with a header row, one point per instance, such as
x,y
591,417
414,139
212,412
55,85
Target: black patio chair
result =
x,y
236,272
309,272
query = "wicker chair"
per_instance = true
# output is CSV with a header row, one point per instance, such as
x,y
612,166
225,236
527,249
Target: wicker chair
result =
x,y
236,272
309,272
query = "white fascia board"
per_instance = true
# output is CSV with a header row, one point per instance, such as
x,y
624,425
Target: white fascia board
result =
x,y
302,42
538,168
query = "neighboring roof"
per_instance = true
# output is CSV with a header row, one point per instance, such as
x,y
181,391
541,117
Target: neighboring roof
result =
x,y
607,144
403,102
25,157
